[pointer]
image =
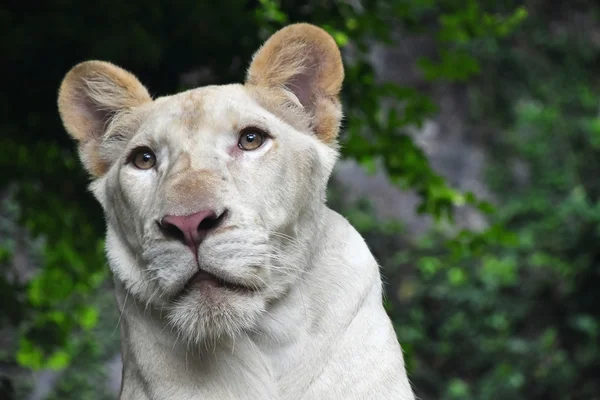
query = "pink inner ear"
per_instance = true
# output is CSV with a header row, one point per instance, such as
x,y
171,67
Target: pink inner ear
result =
x,y
301,86
93,113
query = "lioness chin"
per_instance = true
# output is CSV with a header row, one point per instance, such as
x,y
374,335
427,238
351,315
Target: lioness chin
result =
x,y
233,278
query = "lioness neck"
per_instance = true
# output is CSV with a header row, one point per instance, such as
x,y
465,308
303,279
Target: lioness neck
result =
x,y
329,323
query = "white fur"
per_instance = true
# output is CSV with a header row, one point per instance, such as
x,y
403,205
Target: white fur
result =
x,y
316,327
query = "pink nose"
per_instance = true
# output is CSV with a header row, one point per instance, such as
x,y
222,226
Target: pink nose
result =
x,y
191,229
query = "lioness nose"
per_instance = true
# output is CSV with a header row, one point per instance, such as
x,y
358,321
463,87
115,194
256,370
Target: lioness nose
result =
x,y
191,229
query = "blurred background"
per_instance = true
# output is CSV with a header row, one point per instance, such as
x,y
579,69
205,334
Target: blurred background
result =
x,y
471,163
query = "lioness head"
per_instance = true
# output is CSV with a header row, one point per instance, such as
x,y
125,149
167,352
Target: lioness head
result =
x,y
211,195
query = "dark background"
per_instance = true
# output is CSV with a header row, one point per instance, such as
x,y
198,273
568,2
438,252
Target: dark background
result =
x,y
471,151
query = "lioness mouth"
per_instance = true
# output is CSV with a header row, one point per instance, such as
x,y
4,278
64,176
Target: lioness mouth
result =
x,y
202,278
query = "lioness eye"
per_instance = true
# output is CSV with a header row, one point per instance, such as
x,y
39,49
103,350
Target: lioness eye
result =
x,y
251,139
144,159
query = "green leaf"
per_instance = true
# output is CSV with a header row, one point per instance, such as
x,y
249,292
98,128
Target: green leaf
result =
x,y
458,389
457,276
88,317
59,360
29,355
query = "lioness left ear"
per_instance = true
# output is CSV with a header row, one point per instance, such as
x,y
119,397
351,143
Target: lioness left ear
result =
x,y
306,61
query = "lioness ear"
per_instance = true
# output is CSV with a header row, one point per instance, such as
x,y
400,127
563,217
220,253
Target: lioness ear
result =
x,y
91,95
306,61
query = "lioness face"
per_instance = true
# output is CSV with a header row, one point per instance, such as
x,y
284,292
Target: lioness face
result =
x,y
210,195
248,176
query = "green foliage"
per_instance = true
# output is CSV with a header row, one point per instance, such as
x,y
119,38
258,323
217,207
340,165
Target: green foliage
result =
x,y
513,313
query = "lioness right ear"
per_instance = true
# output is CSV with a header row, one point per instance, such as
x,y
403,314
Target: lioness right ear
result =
x,y
90,96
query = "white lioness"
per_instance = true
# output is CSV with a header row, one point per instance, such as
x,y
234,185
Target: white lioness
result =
x,y
234,279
